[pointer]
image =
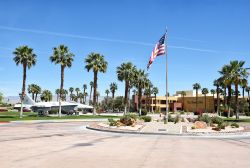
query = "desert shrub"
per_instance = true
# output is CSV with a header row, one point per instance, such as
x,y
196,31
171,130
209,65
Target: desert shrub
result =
x,y
127,120
132,115
205,118
144,112
176,119
112,122
146,118
182,112
170,118
53,111
193,127
235,125
217,120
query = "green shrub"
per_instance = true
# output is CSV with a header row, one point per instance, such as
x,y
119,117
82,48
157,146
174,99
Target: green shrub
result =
x,y
112,122
144,112
205,118
53,111
217,120
182,112
193,127
132,115
146,118
128,120
235,125
170,118
176,119
247,113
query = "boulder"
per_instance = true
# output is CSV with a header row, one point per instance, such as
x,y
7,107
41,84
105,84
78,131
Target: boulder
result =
x,y
200,125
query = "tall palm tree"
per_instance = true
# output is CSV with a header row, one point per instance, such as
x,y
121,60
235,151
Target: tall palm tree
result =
x,y
91,87
196,87
77,93
107,93
85,96
57,94
140,83
38,90
81,97
62,56
97,63
155,91
31,90
212,91
71,90
125,72
217,84
239,73
183,94
46,96
205,92
24,55
243,85
113,88
84,91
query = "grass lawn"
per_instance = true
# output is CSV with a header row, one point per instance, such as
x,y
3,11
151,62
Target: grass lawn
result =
x,y
14,116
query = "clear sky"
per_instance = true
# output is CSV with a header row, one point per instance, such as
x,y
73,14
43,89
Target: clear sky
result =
x,y
202,37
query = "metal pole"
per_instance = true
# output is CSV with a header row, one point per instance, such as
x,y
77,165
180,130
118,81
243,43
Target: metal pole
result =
x,y
165,43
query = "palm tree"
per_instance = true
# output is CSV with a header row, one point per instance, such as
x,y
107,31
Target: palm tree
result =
x,y
91,87
84,91
205,92
213,93
113,88
81,97
77,93
140,83
71,90
85,96
217,84
38,90
196,87
155,92
243,85
97,63
183,94
46,96
57,94
63,57
239,73
64,94
97,96
125,72
31,90
25,56
107,93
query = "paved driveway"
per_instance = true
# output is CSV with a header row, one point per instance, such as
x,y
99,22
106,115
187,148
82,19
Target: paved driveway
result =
x,y
62,145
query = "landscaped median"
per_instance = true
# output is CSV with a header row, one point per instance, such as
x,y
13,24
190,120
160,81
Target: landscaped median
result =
x,y
203,125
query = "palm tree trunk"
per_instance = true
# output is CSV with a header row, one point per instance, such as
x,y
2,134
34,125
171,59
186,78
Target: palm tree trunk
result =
x,y
23,89
90,94
95,86
140,95
196,108
237,101
126,96
36,97
218,100
61,90
243,92
229,100
205,103
113,96
155,102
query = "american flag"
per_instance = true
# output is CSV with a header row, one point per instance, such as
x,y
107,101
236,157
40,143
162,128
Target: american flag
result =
x,y
158,50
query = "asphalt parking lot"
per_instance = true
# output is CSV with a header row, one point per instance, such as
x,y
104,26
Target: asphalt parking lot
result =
x,y
72,145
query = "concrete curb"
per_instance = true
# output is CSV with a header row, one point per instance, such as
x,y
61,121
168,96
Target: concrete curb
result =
x,y
59,121
212,135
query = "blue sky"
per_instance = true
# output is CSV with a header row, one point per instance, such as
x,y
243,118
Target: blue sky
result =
x,y
203,36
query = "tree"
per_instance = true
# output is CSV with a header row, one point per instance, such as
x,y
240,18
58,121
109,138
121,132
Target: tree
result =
x,y
196,87
213,93
71,90
205,92
248,91
155,91
46,96
125,72
31,90
107,93
243,85
113,88
140,83
97,63
183,94
38,90
97,96
85,96
91,87
24,56
239,73
77,93
217,84
64,58
84,92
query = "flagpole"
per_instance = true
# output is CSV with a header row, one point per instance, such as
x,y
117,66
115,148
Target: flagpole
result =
x,y
165,43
